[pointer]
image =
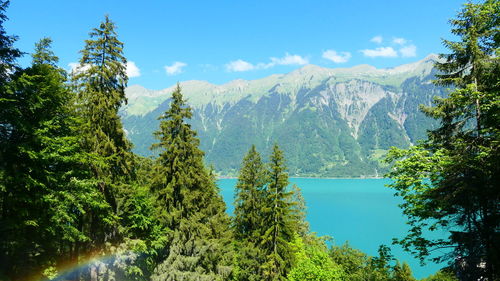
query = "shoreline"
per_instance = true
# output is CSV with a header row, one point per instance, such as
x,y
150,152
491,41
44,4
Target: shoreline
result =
x,y
325,178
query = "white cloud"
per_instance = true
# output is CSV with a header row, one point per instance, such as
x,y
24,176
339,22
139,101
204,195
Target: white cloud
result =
x,y
408,51
387,52
377,39
336,57
405,48
175,68
239,65
288,60
76,67
73,66
399,41
132,70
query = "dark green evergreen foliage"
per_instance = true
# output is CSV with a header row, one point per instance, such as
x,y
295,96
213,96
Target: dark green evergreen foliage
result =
x,y
189,205
249,197
247,223
278,220
71,189
268,216
43,167
248,260
136,205
121,217
142,235
451,181
43,54
100,83
471,58
8,66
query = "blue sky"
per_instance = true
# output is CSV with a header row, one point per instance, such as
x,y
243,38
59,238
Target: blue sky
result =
x,y
219,41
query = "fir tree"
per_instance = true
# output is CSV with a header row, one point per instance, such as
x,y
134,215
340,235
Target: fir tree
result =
x,y
100,82
189,205
248,225
278,220
249,197
8,65
43,170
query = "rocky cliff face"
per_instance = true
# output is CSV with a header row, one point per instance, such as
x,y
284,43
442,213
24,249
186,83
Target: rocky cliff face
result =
x,y
330,122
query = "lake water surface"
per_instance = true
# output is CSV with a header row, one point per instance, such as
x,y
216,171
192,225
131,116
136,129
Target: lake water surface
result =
x,y
361,211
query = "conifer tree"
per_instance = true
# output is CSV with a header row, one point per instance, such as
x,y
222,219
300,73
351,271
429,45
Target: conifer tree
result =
x,y
249,197
8,65
248,226
42,170
278,221
8,57
100,82
189,205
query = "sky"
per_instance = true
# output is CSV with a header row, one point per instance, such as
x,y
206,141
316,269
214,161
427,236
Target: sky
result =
x,y
167,41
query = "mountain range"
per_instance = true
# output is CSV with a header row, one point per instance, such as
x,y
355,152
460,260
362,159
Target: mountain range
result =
x,y
330,122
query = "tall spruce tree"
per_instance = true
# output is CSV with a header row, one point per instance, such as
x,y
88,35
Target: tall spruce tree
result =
x,y
451,181
189,205
8,57
100,82
278,220
42,171
247,223
249,197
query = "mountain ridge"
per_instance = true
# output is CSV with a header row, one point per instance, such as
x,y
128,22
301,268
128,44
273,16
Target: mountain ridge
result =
x,y
329,124
199,92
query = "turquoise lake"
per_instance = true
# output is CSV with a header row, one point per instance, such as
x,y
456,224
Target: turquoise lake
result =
x,y
361,211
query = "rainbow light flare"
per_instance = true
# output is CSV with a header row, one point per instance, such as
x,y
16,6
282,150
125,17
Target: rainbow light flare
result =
x,y
66,270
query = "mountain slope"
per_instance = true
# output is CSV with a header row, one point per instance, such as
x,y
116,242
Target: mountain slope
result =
x,y
330,122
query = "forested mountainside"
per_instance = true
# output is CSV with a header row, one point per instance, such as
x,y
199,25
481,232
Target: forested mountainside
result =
x,y
330,122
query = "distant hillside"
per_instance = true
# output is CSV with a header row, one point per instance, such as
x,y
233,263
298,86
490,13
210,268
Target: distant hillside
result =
x,y
330,122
